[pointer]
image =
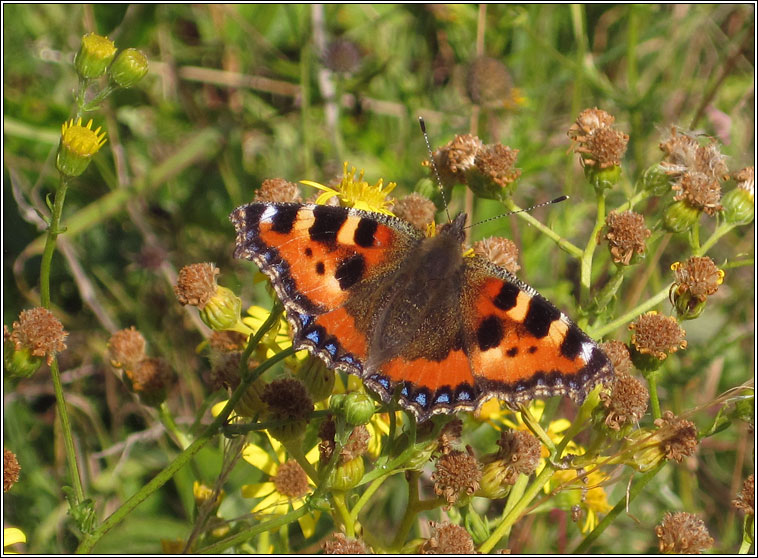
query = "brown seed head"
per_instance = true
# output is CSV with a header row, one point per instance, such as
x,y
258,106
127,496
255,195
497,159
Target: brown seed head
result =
x,y
290,480
288,399
500,251
416,209
11,470
457,474
39,331
342,56
699,191
598,143
627,402
340,544
488,82
127,348
277,190
699,276
448,539
626,234
151,375
455,158
196,284
678,436
519,452
496,163
450,435
745,501
227,341
745,179
657,335
618,353
683,533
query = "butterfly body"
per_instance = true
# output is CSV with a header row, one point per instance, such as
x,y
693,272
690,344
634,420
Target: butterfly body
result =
x,y
369,294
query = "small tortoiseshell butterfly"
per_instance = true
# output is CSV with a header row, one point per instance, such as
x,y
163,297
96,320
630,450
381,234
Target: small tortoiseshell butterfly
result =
x,y
369,294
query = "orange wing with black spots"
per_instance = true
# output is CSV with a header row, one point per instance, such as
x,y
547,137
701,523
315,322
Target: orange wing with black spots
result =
x,y
315,255
370,295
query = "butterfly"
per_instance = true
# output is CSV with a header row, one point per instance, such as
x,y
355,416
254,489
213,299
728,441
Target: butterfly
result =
x,y
371,295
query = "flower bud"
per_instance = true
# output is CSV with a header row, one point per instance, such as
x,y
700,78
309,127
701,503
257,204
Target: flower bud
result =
x,y
358,408
680,217
95,53
345,476
77,147
602,179
656,181
20,363
739,204
222,311
318,379
129,67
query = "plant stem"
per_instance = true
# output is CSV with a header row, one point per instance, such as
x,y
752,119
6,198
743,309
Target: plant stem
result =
x,y
515,513
629,316
652,380
720,231
168,422
52,235
183,458
617,509
562,243
338,497
589,251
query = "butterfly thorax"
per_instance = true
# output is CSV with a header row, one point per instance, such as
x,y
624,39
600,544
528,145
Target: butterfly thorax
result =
x,y
414,311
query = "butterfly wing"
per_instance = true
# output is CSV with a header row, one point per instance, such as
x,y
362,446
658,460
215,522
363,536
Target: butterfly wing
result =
x,y
316,256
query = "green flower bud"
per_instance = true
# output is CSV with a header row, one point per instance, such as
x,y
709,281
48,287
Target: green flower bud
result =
x,y
687,307
95,53
251,404
347,475
602,179
20,363
739,206
129,67
337,403
77,147
222,311
680,217
656,181
290,432
359,408
645,362
318,379
493,484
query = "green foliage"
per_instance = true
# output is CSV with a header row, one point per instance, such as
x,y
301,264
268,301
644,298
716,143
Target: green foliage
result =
x,y
236,95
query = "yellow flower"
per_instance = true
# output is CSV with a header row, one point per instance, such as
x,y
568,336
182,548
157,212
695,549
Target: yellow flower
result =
x,y
276,339
589,494
288,487
357,193
78,145
11,536
95,53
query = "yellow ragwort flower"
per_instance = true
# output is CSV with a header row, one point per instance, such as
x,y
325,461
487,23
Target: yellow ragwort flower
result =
x,y
11,536
78,145
288,487
357,193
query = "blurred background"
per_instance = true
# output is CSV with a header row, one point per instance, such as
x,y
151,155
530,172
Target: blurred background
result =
x,y
239,94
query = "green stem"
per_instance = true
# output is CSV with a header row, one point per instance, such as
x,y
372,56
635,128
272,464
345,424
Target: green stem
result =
x,y
629,316
617,509
247,534
562,243
720,231
589,251
366,496
47,259
50,242
652,380
168,422
536,429
515,513
415,506
338,498
182,459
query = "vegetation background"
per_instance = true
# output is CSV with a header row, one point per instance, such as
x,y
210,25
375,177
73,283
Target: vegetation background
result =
x,y
238,94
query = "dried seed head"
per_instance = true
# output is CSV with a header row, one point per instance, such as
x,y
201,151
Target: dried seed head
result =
x,y
657,335
627,402
416,209
500,251
11,470
457,475
277,190
683,533
40,332
626,234
448,539
196,284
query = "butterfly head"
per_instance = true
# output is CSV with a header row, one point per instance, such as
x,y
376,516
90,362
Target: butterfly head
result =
x,y
455,228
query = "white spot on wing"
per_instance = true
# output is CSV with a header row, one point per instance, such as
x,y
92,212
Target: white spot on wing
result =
x,y
586,351
269,214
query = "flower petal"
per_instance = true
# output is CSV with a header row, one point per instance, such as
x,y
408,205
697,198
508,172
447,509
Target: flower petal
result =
x,y
258,489
13,535
269,501
308,523
259,458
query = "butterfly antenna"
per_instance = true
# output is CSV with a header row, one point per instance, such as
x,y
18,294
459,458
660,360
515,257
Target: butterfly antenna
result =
x,y
434,165
556,200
